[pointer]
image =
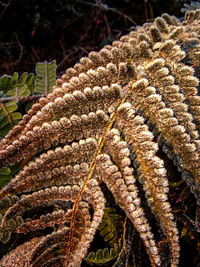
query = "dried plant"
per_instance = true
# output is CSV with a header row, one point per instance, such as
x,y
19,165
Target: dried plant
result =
x,y
105,122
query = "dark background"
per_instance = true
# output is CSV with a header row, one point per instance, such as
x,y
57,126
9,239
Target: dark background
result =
x,y
65,30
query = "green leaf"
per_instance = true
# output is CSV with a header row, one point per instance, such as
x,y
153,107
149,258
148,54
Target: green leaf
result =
x,y
111,226
15,79
15,86
4,179
5,83
5,171
8,118
103,256
47,77
11,106
16,116
105,253
22,79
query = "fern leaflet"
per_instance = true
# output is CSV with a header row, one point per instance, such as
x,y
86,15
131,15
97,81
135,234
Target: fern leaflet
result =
x,y
47,76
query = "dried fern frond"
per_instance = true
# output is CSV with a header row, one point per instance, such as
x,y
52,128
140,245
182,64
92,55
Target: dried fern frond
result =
x,y
107,123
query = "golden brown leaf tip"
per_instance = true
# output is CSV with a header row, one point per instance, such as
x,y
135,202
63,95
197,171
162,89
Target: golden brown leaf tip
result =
x,y
108,122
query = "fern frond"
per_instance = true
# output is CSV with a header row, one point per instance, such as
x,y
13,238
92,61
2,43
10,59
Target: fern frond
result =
x,y
18,86
46,72
111,226
23,252
8,116
128,200
103,256
38,172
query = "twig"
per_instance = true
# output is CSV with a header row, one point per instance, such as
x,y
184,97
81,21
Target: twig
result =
x,y
107,25
35,53
122,14
83,49
107,8
65,58
63,49
21,98
21,50
5,8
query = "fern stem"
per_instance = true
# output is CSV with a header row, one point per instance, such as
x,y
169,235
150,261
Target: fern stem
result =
x,y
89,176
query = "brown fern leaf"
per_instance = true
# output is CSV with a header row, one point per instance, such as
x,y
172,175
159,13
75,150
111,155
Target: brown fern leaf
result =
x,y
129,100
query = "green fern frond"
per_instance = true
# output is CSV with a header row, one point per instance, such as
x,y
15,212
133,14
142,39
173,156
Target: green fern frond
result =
x,y
47,76
29,83
111,226
8,117
17,86
103,256
5,83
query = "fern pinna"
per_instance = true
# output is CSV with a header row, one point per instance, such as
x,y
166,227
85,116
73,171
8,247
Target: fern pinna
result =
x,y
106,122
